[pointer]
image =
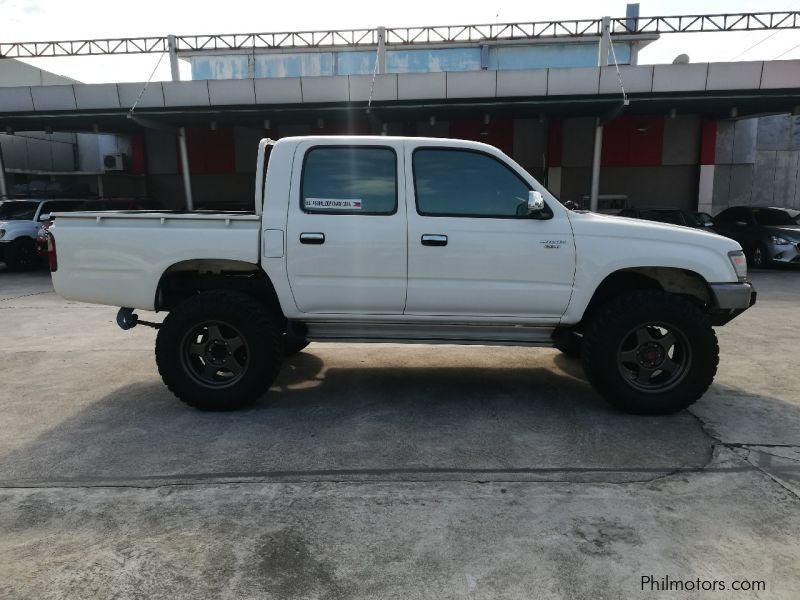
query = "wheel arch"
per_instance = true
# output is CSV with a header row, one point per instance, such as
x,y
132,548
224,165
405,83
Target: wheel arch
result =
x,y
190,277
683,282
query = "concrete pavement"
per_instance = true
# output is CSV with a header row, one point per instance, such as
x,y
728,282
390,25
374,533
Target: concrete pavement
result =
x,y
379,471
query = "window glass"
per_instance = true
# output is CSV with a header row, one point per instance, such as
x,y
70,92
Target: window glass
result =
x,y
60,206
467,184
731,215
345,180
771,216
18,210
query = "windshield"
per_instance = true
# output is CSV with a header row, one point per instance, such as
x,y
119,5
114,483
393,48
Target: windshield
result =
x,y
18,211
773,217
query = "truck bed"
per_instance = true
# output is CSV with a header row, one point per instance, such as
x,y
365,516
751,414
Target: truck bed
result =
x,y
117,257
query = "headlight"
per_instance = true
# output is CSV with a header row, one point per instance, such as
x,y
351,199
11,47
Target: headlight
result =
x,y
779,241
739,264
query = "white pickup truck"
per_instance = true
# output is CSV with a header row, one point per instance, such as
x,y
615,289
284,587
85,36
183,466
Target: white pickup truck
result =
x,y
416,240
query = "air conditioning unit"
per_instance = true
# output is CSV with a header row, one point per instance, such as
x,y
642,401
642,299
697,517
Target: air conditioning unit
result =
x,y
115,162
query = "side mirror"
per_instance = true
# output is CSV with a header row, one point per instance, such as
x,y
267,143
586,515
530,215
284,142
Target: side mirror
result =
x,y
535,202
44,217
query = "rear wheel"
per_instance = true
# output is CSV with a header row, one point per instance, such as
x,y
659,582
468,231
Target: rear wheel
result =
x,y
219,350
650,352
21,255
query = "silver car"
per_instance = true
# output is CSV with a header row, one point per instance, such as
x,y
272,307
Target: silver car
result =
x,y
768,235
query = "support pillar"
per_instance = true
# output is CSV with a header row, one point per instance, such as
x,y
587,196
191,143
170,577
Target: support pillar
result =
x,y
187,179
605,37
173,58
184,152
381,50
3,186
602,61
594,194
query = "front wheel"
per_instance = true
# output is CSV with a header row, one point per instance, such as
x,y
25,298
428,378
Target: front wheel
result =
x,y
759,258
21,255
219,350
650,352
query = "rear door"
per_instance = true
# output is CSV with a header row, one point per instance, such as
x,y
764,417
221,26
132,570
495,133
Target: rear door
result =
x,y
472,248
346,229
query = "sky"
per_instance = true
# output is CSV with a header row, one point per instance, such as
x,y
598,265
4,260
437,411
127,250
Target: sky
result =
x,y
44,20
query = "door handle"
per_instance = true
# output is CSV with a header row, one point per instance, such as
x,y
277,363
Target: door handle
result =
x,y
431,239
312,238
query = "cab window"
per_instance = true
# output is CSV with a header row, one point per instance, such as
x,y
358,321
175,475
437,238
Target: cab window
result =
x,y
349,180
465,183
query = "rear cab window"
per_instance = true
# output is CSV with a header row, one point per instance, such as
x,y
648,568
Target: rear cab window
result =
x,y
349,180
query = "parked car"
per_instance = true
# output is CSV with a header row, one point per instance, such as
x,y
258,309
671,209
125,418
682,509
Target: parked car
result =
x,y
20,222
415,240
706,219
673,216
768,235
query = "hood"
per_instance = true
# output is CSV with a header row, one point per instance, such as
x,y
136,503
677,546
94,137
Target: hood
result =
x,y
790,232
19,228
587,223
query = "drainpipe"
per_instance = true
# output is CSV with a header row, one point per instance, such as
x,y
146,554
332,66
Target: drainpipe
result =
x,y
176,76
602,61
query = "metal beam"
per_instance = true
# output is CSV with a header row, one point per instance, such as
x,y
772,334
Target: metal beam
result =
x,y
408,36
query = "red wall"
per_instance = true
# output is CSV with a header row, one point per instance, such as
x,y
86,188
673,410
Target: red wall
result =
x,y
498,132
210,151
631,141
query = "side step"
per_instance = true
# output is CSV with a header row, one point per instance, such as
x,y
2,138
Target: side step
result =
x,y
421,333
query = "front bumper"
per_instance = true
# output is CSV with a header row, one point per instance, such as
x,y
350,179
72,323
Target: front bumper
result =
x,y
730,300
785,253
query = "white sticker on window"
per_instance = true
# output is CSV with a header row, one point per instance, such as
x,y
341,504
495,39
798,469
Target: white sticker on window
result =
x,y
332,204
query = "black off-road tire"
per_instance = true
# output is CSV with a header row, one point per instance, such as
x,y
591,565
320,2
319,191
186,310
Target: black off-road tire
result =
x,y
21,255
294,345
258,329
609,326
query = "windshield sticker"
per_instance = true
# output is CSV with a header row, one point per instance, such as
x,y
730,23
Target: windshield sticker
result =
x,y
332,204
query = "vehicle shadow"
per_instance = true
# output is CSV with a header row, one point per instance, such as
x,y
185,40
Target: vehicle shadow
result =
x,y
319,420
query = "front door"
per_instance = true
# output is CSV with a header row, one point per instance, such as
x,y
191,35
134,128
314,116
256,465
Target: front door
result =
x,y
472,248
346,230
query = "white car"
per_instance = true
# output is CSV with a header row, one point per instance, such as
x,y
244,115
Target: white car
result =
x,y
415,240
20,222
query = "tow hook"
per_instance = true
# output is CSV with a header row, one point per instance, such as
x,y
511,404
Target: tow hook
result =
x,y
127,319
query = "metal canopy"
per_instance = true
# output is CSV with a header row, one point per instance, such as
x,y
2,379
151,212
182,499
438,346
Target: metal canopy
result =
x,y
714,105
406,36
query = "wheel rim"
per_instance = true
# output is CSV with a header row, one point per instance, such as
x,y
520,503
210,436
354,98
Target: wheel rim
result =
x,y
758,257
215,354
654,357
